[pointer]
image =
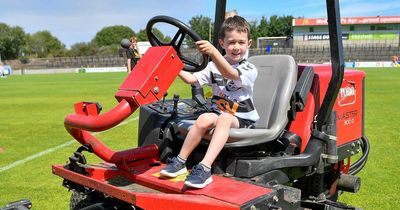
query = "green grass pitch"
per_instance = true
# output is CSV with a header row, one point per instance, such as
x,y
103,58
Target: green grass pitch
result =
x,y
33,107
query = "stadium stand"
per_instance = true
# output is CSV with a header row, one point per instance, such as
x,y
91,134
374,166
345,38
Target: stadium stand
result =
x,y
302,54
69,62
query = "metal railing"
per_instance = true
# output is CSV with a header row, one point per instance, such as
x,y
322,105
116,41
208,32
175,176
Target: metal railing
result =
x,y
302,54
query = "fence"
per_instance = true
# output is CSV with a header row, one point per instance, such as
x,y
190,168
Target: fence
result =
x,y
302,54
70,62
321,54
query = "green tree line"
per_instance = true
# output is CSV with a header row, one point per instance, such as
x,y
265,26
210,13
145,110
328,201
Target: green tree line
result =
x,y
15,43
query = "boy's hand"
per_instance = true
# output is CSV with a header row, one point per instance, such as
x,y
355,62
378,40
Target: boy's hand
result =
x,y
205,47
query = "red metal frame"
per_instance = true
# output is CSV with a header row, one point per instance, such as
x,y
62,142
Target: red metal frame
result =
x,y
348,106
162,192
147,83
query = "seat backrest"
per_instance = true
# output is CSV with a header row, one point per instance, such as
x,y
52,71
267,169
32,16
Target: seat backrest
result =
x,y
276,80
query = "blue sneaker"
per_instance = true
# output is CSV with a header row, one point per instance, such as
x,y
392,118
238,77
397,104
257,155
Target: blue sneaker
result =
x,y
198,178
174,168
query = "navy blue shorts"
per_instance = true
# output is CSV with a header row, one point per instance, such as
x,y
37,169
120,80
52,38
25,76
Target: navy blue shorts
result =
x,y
243,123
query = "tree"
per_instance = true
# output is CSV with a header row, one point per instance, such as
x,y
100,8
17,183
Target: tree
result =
x,y
112,35
287,25
254,34
82,49
280,26
263,27
44,44
12,40
202,26
161,36
142,35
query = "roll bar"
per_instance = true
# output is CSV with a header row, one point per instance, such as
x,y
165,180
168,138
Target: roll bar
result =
x,y
336,47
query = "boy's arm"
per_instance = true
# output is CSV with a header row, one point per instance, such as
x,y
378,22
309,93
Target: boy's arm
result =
x,y
187,77
128,65
220,62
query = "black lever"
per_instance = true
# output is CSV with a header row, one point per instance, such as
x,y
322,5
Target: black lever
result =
x,y
163,101
198,96
175,109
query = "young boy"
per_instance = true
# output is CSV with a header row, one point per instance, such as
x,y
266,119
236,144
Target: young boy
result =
x,y
232,79
132,54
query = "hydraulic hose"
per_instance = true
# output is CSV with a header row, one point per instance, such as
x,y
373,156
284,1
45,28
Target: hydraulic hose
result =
x,y
360,163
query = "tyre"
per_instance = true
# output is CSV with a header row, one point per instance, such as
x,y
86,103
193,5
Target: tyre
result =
x,y
81,200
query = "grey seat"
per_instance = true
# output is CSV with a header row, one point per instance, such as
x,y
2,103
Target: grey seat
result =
x,y
276,80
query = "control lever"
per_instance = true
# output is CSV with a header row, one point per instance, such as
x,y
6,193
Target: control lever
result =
x,y
198,96
175,109
163,101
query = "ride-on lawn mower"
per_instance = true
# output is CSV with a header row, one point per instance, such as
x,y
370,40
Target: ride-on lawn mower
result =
x,y
297,156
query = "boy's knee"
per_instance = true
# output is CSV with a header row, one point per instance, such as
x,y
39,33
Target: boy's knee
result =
x,y
225,116
205,121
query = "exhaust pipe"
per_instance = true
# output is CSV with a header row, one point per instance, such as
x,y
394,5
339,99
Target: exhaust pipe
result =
x,y
349,183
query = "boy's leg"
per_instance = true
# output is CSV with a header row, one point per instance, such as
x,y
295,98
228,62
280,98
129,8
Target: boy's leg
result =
x,y
221,133
200,175
176,166
203,123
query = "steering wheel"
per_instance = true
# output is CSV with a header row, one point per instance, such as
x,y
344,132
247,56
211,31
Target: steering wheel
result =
x,y
177,41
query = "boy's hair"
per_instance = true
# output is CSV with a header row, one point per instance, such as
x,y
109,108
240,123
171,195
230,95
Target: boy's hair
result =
x,y
237,23
133,39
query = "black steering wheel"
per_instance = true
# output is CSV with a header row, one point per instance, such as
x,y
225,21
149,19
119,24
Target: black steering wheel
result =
x,y
177,41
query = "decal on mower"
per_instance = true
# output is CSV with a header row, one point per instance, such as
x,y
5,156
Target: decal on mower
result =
x,y
179,178
347,93
347,117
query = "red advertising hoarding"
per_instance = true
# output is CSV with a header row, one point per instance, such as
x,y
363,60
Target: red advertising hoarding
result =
x,y
347,20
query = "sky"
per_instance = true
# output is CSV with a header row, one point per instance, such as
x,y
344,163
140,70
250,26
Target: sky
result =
x,y
73,21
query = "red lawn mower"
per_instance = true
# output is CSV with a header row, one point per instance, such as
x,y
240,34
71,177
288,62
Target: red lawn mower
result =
x,y
297,157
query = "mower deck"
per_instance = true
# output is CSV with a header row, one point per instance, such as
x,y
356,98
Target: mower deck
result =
x,y
143,187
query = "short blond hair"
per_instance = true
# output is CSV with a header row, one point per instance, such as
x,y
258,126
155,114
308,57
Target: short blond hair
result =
x,y
236,23
229,14
133,39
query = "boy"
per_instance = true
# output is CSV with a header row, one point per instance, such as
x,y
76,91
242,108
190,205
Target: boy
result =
x,y
232,79
132,54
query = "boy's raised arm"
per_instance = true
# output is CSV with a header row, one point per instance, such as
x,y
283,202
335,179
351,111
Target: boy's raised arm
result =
x,y
187,77
223,66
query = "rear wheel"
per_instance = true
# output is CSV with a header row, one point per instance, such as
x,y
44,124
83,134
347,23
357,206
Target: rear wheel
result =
x,y
97,200
81,200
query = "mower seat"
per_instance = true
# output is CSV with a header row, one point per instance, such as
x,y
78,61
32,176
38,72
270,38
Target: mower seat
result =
x,y
276,80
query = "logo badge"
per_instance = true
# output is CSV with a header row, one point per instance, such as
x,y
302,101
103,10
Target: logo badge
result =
x,y
347,93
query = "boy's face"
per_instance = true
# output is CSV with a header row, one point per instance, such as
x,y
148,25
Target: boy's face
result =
x,y
133,44
235,44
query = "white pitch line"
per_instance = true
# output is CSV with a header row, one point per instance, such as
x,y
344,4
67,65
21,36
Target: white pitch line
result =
x,y
50,150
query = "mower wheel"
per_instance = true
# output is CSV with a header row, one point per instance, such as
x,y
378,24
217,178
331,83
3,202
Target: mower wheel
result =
x,y
165,151
81,200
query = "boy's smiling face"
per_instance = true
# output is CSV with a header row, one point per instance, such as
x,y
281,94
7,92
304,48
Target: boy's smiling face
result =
x,y
235,44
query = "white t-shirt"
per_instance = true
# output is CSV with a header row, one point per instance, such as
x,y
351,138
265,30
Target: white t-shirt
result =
x,y
2,69
235,96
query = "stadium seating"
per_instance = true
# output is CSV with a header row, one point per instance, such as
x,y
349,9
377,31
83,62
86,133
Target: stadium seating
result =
x,y
302,54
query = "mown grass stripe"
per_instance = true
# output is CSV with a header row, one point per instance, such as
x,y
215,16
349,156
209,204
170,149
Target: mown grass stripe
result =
x,y
53,149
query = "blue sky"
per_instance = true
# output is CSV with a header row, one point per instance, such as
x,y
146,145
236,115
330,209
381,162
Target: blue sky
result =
x,y
74,21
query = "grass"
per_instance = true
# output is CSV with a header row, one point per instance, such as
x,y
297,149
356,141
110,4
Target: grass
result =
x,y
31,121
380,184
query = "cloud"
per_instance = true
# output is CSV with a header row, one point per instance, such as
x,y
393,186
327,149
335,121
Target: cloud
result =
x,y
363,8
75,21
79,21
